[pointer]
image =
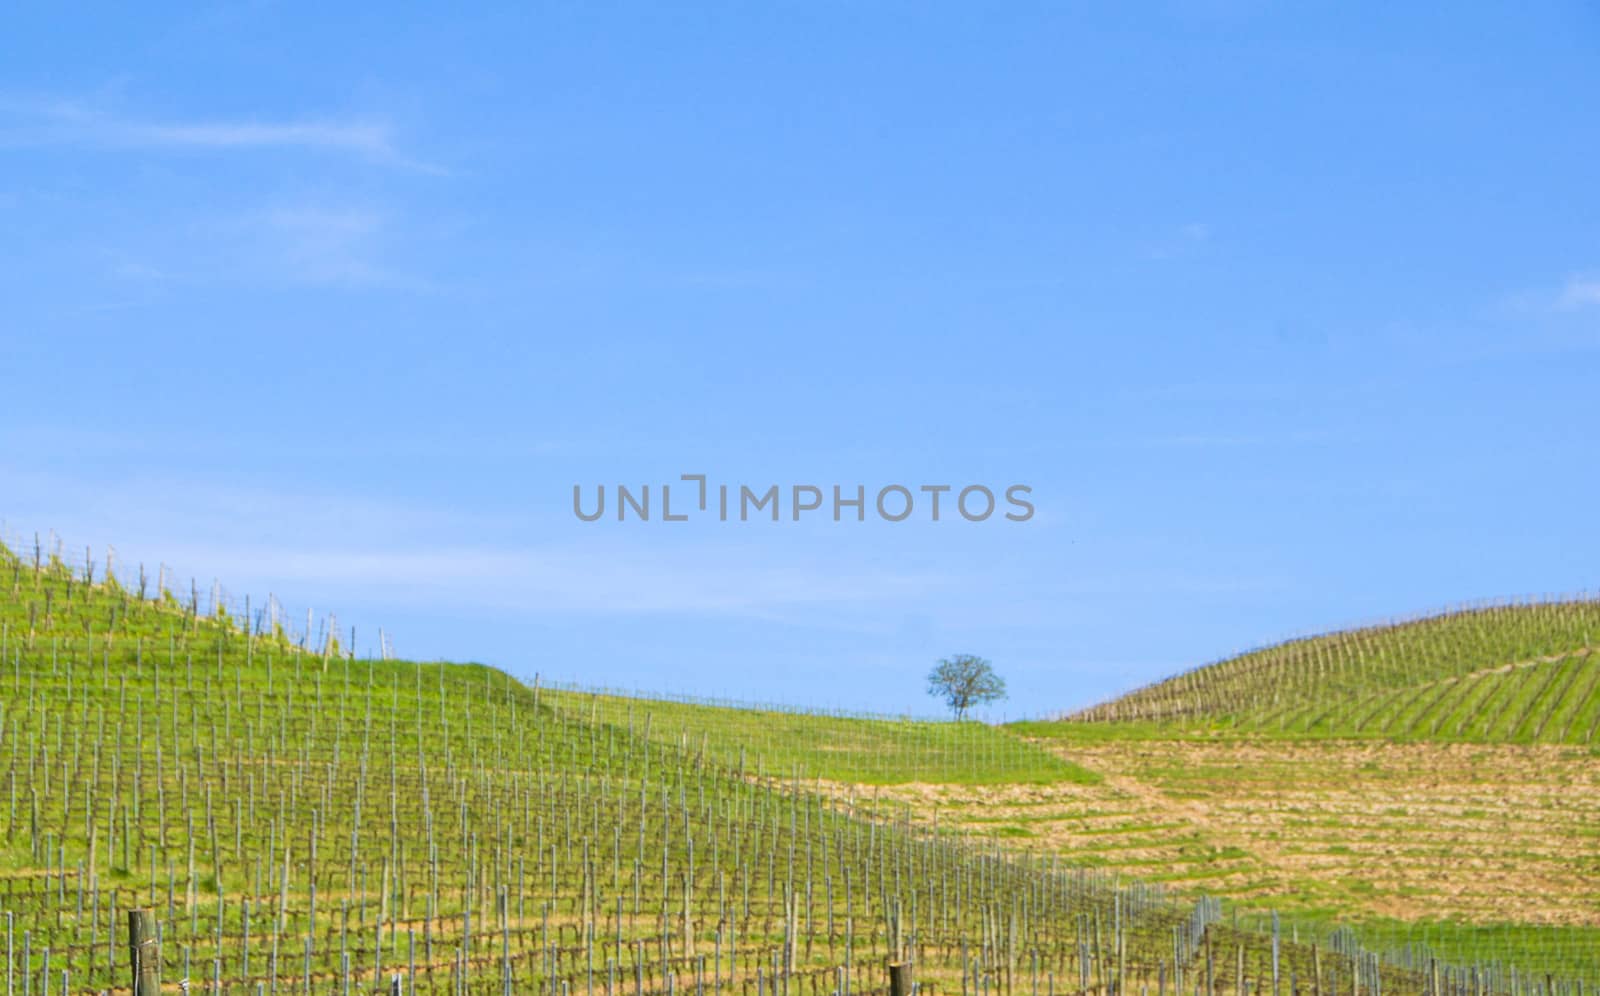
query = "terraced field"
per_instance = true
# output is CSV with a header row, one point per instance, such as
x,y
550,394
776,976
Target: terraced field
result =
x,y
1491,851
1406,831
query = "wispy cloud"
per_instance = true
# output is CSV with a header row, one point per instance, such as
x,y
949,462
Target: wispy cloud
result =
x,y
559,579
316,245
1579,292
33,122
323,242
369,139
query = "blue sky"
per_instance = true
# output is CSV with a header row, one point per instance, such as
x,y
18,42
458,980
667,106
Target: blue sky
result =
x,y
1289,315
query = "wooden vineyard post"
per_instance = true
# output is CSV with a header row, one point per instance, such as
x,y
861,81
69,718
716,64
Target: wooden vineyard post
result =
x,y
144,955
900,979
1316,971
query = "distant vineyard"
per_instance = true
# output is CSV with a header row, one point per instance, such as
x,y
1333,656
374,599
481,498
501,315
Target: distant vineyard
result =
x,y
861,749
1511,673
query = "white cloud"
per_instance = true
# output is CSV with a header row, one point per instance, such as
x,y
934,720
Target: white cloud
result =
x,y
370,139
325,246
25,122
320,243
1579,292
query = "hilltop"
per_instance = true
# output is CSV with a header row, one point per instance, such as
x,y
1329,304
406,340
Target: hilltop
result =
x,y
1511,673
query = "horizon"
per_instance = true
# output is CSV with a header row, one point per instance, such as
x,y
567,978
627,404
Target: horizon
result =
x,y
321,627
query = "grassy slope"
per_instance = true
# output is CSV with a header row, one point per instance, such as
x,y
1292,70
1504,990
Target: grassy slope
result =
x,y
288,815
364,816
864,751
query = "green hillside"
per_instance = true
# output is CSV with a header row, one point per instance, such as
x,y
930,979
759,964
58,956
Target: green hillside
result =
x,y
867,750
1520,673
308,822
300,821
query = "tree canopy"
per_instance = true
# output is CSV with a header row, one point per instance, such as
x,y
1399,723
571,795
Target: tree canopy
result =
x,y
964,681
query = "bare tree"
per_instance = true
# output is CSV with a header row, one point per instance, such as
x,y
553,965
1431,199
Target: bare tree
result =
x,y
964,681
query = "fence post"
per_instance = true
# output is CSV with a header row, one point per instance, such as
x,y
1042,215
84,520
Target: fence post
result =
x,y
1211,973
144,954
900,980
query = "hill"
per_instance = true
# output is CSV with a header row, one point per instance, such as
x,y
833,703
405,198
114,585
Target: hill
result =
x,y
309,822
1514,673
299,820
1436,779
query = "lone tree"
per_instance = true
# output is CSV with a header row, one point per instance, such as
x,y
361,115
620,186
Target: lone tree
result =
x,y
964,681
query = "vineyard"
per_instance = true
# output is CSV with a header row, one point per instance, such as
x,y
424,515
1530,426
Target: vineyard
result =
x,y
203,801
857,749
1515,673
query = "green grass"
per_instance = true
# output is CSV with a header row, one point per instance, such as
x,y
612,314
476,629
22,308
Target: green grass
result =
x,y
859,750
